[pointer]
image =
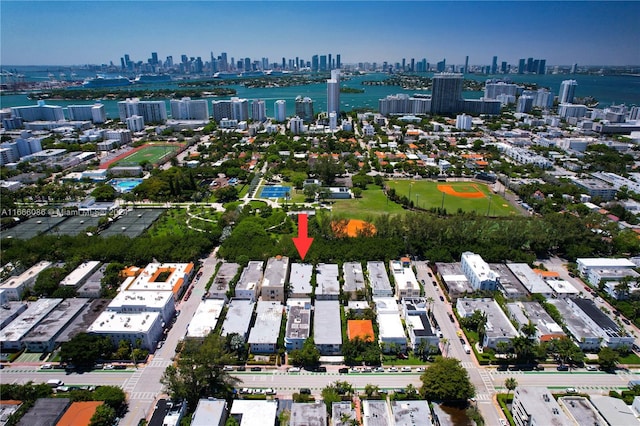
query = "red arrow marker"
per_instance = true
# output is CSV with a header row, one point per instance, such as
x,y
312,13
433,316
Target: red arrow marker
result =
x,y
302,242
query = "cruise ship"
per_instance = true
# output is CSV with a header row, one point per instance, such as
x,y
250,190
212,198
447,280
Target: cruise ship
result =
x,y
152,78
102,81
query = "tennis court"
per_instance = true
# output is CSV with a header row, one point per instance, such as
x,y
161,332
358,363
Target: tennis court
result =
x,y
133,223
74,225
32,227
275,192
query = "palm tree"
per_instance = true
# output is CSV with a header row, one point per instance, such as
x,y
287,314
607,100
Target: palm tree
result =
x,y
430,301
410,390
482,327
510,383
370,389
622,288
445,346
529,330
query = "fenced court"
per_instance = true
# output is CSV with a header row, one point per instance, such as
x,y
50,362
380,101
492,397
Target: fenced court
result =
x,y
133,223
275,192
74,225
32,227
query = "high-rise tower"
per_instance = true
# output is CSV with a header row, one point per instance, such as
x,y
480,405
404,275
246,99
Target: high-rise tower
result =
x,y
446,95
567,91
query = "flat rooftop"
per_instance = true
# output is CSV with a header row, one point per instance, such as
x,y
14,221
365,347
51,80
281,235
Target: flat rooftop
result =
x,y
404,277
110,322
209,412
453,277
603,262
562,287
378,277
300,278
45,412
154,300
390,326
10,310
163,277
600,318
541,406
327,279
275,273
614,410
510,285
238,317
376,413
27,320
498,325
411,413
529,279
80,274
226,273
534,312
342,410
254,412
386,305
327,329
420,325
353,277
576,325
251,277
206,318
308,413
298,322
57,320
29,274
581,410
267,326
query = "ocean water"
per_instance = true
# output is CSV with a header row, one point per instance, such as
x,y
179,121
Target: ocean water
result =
x,y
607,90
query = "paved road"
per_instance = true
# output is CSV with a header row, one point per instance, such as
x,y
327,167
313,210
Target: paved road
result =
x,y
143,386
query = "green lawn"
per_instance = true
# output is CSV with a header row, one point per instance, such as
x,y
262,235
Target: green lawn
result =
x,y
151,153
426,195
372,203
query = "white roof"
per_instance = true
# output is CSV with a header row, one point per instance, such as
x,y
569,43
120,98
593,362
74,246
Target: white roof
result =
x,y
300,278
144,280
110,322
29,274
603,262
267,326
390,326
205,318
562,287
255,412
80,273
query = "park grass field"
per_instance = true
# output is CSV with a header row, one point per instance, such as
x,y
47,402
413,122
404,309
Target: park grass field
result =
x,y
151,153
373,203
454,196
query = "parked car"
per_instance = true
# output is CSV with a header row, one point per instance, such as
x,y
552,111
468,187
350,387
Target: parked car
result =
x,y
562,367
227,368
354,370
46,367
269,391
406,369
378,370
241,368
305,391
392,370
571,390
256,368
419,369
320,369
293,369
591,368
246,391
343,370
109,367
441,298
626,321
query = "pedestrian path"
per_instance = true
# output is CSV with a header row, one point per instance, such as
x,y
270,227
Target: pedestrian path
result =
x,y
486,379
133,381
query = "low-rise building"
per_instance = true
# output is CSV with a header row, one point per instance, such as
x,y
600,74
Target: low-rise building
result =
x,y
79,413
173,277
43,337
361,329
478,272
420,332
376,413
263,337
298,323
45,411
220,286
614,410
353,279
11,336
414,306
580,410
145,326
612,335
342,414
248,286
597,275
308,413
327,329
546,328
79,276
300,280
498,327
10,311
14,287
586,264
238,318
327,281
581,332
536,406
529,279
405,280
144,301
509,285
250,412
411,413
379,280
92,287
210,412
205,319
390,330
276,274
562,288
453,279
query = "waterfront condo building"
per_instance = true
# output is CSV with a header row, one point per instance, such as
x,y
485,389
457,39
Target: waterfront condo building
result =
x,y
304,108
333,92
188,109
151,111
567,91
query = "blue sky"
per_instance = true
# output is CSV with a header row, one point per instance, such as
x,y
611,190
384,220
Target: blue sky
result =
x,y
95,32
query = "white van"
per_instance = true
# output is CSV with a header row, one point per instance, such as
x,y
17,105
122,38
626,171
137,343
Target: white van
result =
x,y
54,383
467,349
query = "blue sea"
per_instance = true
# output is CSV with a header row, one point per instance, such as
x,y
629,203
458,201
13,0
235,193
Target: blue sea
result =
x,y
607,89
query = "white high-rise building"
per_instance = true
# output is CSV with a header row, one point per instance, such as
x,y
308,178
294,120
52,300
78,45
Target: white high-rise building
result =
x,y
258,110
94,113
187,109
296,125
151,111
240,109
333,121
333,92
280,107
135,123
567,91
463,122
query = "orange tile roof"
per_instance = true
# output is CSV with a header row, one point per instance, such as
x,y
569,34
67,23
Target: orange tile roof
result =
x,y
546,274
413,146
360,328
79,413
131,271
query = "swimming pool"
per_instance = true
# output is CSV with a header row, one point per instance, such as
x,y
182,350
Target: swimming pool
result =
x,y
124,185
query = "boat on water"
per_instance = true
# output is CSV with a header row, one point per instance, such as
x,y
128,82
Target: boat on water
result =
x,y
224,75
152,78
102,81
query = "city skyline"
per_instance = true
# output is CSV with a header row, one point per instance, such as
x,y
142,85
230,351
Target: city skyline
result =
x,y
79,32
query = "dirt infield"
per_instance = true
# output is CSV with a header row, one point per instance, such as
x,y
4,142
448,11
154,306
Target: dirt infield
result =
x,y
353,228
473,191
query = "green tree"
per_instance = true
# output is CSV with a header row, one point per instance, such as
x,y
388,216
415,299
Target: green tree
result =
x,y
104,192
104,416
199,371
510,383
371,389
330,395
446,380
84,349
113,396
308,356
608,358
48,281
226,194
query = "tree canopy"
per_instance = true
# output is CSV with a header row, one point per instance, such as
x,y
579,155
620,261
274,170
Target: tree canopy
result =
x,y
446,380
